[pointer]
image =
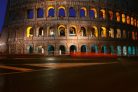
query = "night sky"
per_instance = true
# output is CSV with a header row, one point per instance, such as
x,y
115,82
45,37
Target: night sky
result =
x,y
3,8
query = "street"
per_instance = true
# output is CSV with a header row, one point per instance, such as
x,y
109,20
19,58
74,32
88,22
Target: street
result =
x,y
114,76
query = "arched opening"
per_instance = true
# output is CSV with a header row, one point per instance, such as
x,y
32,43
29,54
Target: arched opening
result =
x,y
72,12
62,49
40,50
40,13
83,31
111,33
129,50
94,49
102,14
111,15
30,49
51,12
119,50
61,11
123,18
83,48
111,50
29,32
103,32
104,49
50,50
30,13
124,50
40,32
61,30
83,12
128,20
72,31
93,13
132,20
117,16
94,31
133,50
118,35
51,32
73,48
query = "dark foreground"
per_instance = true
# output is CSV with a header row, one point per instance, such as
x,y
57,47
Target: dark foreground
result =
x,y
118,76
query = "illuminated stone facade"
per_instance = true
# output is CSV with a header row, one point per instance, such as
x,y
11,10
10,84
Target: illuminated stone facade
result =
x,y
63,26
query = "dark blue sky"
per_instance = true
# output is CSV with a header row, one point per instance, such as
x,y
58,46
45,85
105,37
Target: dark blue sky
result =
x,y
2,12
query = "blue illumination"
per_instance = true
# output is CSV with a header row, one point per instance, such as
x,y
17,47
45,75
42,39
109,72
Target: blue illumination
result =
x,y
40,13
61,12
92,14
82,13
72,12
51,12
30,14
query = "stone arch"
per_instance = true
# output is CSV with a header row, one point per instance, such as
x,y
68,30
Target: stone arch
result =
x,y
61,11
83,12
83,31
93,13
102,14
73,48
94,31
50,11
51,50
83,48
61,30
62,49
29,31
94,49
103,32
72,12
72,31
40,13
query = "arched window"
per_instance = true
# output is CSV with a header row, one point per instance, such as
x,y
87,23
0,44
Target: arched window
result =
x,y
94,31
40,31
124,50
123,18
111,15
40,13
72,31
72,12
73,48
61,12
93,13
83,48
102,14
103,32
61,30
51,50
30,13
62,49
94,49
30,49
128,20
51,32
117,16
132,21
83,12
119,50
104,49
111,33
118,35
51,12
83,31
29,32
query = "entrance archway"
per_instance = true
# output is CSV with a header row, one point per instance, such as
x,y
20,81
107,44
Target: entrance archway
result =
x,y
83,48
73,48
50,50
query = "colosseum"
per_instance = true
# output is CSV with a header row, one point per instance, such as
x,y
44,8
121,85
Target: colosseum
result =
x,y
58,27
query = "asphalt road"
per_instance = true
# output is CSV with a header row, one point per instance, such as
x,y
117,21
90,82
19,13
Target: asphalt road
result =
x,y
117,76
